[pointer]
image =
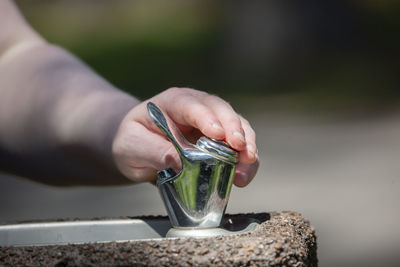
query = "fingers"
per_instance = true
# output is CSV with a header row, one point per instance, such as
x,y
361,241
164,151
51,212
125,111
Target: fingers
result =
x,y
210,114
250,153
230,120
215,118
189,110
139,153
245,173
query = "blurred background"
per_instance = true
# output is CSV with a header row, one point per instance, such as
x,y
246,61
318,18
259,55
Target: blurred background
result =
x,y
318,80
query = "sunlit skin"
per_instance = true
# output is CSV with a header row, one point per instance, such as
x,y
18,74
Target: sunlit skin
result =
x,y
61,123
193,112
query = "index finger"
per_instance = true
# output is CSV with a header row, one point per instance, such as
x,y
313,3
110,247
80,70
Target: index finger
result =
x,y
188,110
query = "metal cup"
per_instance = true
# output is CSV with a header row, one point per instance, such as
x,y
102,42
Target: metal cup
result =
x,y
197,196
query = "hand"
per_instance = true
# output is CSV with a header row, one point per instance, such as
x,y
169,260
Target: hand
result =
x,y
140,149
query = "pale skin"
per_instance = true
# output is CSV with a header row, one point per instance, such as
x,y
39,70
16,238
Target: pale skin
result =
x,y
62,124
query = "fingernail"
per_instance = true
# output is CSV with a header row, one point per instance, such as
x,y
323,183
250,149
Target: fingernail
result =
x,y
251,149
240,135
218,126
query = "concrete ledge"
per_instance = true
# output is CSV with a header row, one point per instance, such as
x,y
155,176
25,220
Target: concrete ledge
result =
x,y
283,238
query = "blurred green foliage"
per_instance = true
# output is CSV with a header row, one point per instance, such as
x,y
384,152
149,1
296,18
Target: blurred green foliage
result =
x,y
140,48
144,47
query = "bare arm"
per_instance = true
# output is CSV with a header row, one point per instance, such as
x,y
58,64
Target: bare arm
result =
x,y
57,117
60,123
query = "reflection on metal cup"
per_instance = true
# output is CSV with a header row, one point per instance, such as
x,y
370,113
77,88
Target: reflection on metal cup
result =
x,y
197,196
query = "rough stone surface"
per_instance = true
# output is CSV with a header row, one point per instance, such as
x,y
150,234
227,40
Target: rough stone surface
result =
x,y
282,239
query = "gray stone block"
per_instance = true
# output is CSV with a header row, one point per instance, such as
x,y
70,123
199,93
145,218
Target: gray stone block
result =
x,y
282,239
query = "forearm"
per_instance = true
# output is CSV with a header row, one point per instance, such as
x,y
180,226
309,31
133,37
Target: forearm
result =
x,y
57,117
51,102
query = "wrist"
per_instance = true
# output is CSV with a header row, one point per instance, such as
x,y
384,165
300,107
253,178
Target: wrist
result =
x,y
104,114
